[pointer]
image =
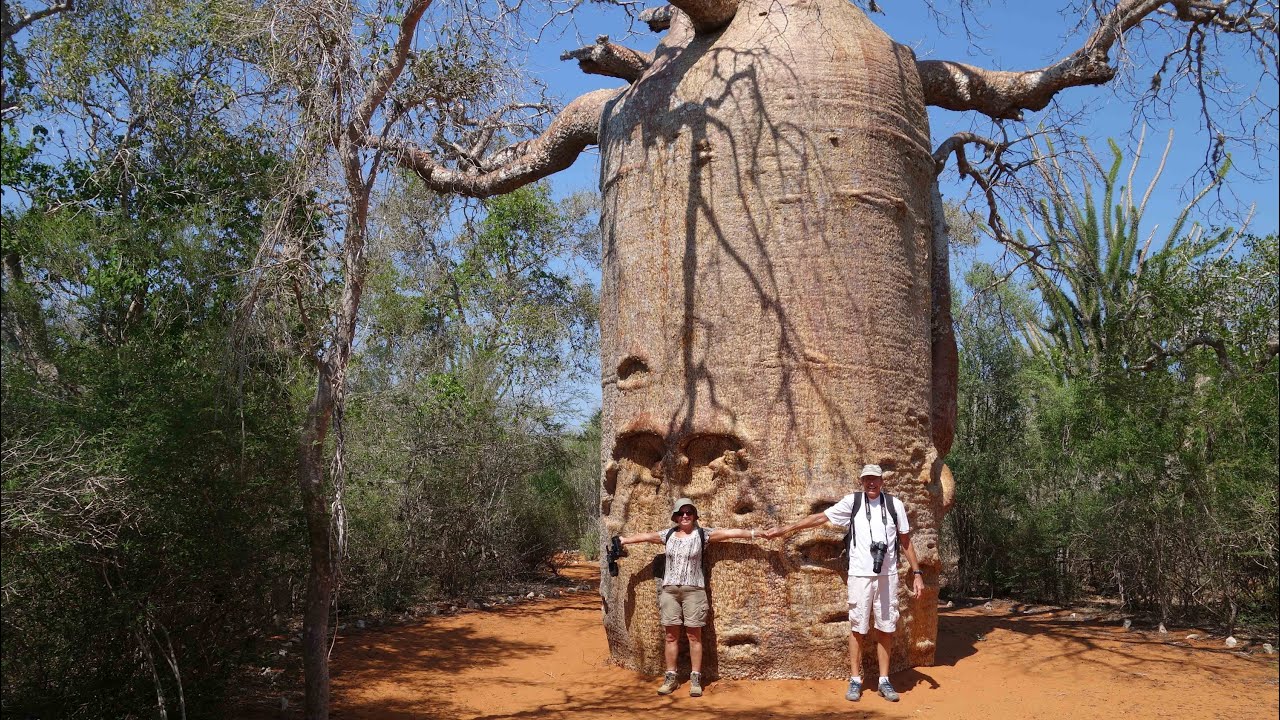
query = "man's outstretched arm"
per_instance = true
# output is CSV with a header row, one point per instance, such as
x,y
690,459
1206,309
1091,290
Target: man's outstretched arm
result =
x,y
815,520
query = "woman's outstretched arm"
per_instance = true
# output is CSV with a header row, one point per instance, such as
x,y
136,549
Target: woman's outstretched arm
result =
x,y
734,534
650,537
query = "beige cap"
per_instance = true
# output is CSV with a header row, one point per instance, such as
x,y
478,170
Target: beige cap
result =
x,y
873,470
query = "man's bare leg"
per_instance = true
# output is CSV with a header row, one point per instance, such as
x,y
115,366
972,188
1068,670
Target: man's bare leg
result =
x,y
855,654
855,667
884,646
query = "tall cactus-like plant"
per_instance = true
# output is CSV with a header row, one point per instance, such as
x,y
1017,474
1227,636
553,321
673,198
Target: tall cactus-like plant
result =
x,y
1088,258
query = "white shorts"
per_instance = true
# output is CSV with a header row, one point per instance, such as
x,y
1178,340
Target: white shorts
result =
x,y
876,594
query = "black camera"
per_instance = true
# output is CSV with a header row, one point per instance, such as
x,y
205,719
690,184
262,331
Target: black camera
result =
x,y
877,556
614,552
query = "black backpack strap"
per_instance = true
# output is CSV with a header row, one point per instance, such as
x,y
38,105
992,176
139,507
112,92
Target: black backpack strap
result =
x,y
849,540
897,524
702,553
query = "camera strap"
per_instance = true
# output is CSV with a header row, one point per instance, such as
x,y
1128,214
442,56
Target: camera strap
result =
x,y
884,518
885,498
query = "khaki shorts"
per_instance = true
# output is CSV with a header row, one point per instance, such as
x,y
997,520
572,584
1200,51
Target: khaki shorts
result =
x,y
683,605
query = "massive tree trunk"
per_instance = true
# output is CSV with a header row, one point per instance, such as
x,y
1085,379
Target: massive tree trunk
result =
x,y
766,322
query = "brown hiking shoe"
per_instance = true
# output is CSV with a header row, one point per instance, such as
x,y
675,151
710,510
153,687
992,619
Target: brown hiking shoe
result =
x,y
695,684
669,683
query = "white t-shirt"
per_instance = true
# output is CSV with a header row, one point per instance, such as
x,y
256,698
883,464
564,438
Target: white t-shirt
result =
x,y
865,533
684,558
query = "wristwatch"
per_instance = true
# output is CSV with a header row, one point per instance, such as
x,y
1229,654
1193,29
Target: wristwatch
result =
x,y
917,572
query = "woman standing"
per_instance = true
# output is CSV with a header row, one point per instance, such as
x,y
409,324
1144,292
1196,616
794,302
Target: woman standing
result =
x,y
682,601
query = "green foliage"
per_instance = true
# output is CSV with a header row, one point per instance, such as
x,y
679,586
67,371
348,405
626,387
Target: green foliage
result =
x,y
461,474
1120,435
149,530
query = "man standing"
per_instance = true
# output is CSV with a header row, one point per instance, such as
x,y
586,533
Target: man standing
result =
x,y
877,528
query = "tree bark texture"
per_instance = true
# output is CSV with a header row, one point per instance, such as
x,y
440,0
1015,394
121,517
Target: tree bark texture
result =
x,y
769,323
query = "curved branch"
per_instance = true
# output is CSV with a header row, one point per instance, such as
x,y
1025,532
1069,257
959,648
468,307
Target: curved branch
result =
x,y
1006,94
576,127
954,145
606,58
391,71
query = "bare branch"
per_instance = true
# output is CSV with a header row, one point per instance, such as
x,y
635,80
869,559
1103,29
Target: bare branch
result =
x,y
576,127
1005,94
606,58
1159,354
955,145
391,72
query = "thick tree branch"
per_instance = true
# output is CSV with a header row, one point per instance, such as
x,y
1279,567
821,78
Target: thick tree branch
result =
x,y
23,326
576,127
1005,95
708,16
657,18
1159,353
606,58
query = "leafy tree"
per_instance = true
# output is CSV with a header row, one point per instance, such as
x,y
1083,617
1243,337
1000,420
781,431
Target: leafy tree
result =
x,y
148,535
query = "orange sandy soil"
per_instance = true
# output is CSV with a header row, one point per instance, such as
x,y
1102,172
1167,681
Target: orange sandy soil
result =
x,y
548,658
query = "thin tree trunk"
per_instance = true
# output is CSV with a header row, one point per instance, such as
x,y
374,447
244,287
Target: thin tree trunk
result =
x,y
320,579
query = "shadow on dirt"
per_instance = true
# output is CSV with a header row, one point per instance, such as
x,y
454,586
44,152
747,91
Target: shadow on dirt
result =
x,y
1078,635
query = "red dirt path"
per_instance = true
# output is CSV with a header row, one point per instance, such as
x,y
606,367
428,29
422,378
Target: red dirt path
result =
x,y
549,659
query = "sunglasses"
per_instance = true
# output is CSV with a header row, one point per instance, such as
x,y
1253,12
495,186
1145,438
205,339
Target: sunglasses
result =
x,y
692,513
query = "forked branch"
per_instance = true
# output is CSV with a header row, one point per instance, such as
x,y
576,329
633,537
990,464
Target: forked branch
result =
x,y
14,25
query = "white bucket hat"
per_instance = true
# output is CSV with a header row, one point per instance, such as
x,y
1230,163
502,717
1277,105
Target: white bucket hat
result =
x,y
873,470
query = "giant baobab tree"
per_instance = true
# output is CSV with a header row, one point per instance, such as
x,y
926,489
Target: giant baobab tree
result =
x,y
775,303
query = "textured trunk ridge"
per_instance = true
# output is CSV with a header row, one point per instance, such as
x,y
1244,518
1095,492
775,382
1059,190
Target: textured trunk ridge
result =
x,y
766,323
